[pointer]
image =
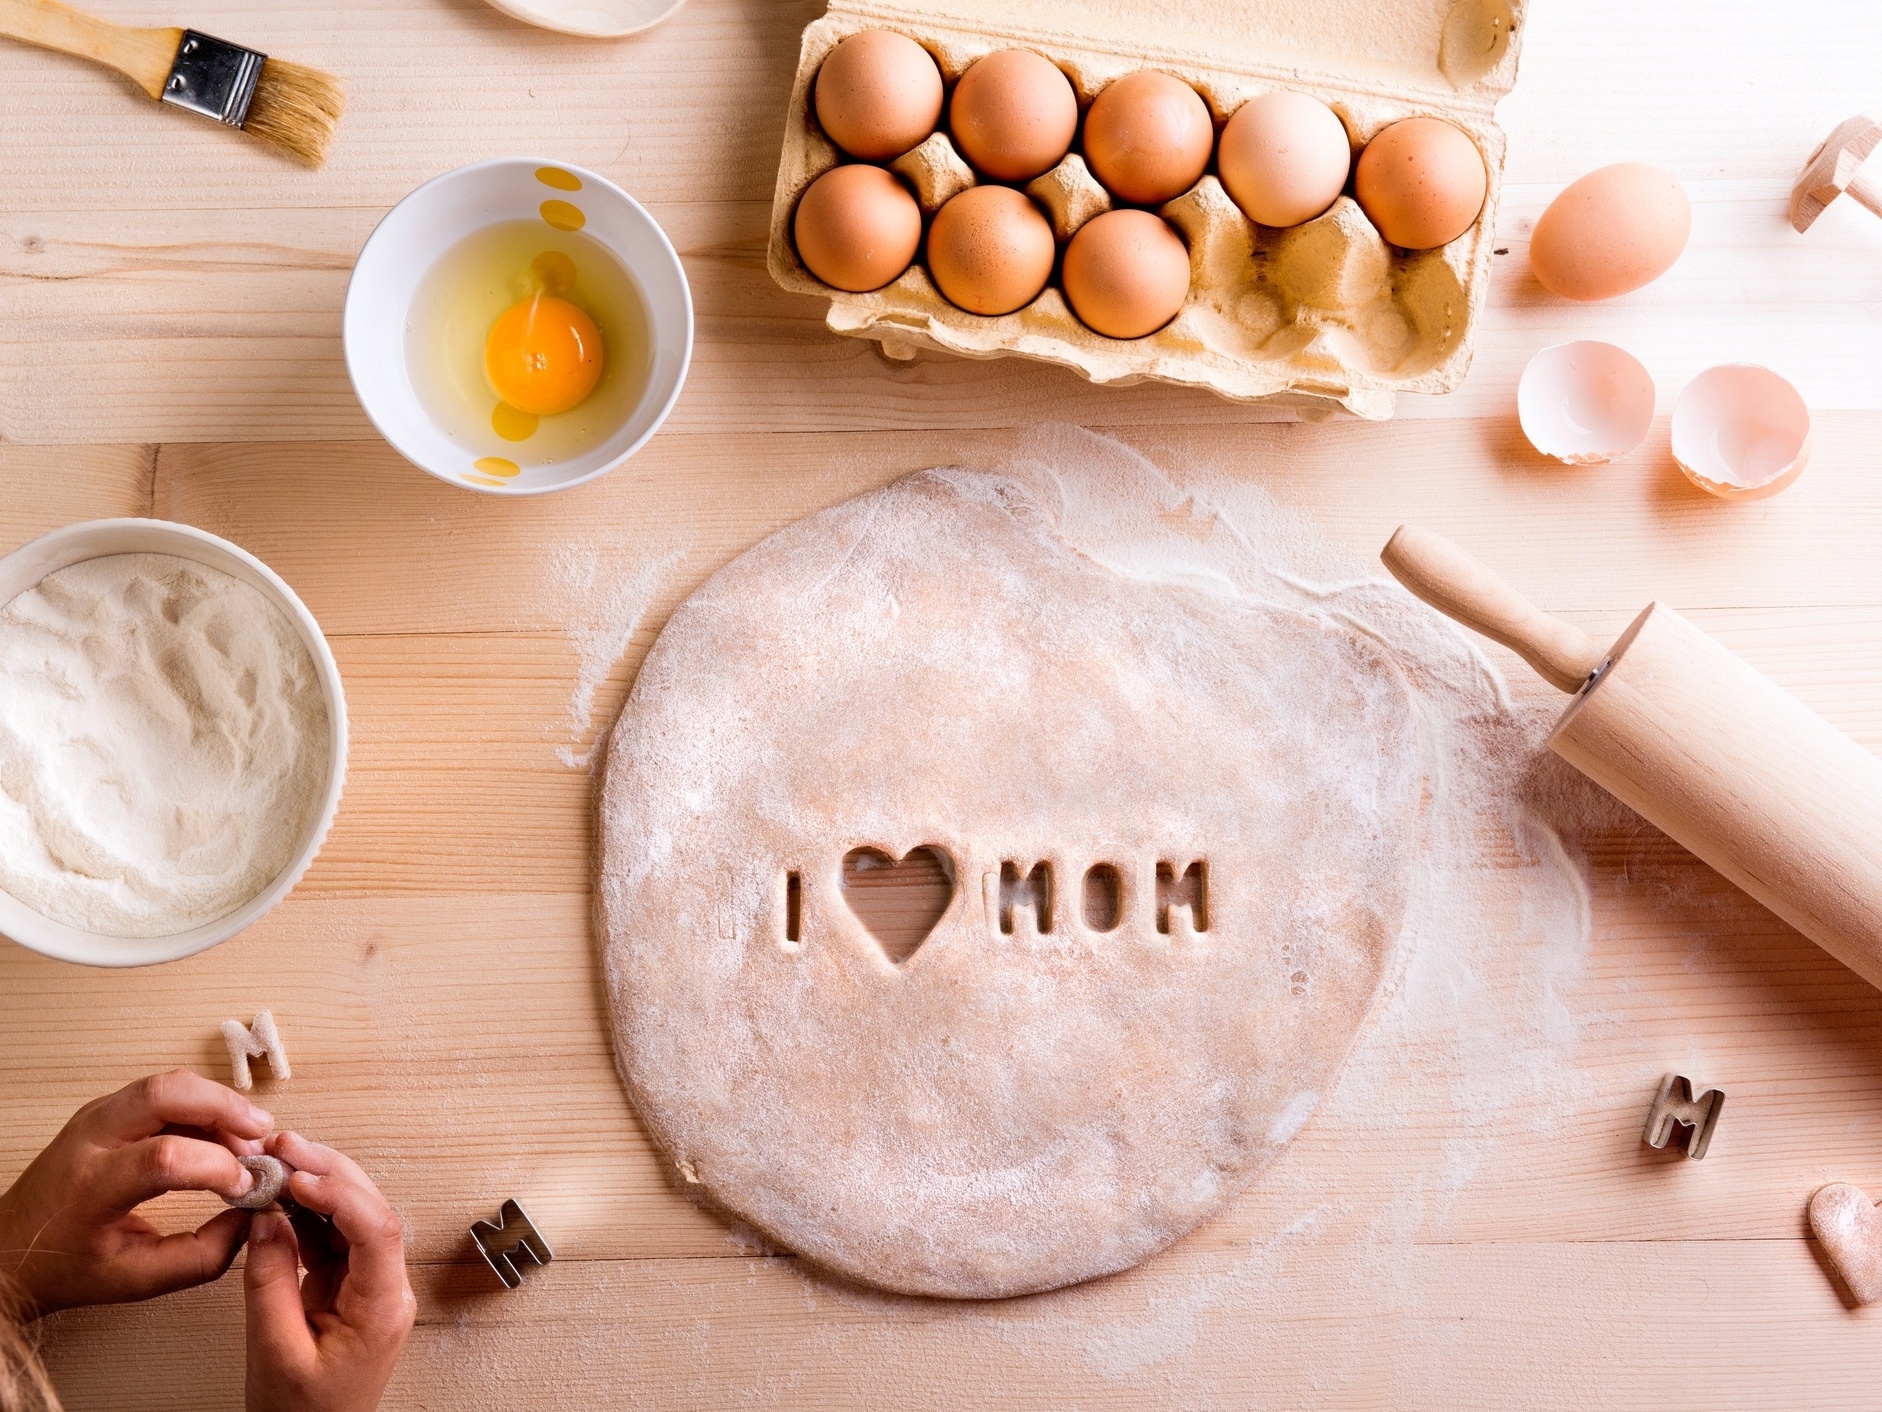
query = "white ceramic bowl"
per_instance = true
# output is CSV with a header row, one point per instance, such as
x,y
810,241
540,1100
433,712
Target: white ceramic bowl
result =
x,y
22,570
433,219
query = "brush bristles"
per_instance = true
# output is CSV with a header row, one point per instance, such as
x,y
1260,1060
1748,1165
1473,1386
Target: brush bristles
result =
x,y
296,109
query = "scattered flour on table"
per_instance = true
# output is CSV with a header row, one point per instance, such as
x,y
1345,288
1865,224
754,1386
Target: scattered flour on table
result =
x,y
163,745
603,610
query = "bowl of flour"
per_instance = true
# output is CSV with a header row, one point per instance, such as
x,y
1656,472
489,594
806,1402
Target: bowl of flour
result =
x,y
172,741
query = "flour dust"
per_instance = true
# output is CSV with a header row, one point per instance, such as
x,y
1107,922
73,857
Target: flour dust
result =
x,y
603,609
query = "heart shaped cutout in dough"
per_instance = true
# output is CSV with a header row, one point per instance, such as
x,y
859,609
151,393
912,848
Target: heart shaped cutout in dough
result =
x,y
1849,1227
898,901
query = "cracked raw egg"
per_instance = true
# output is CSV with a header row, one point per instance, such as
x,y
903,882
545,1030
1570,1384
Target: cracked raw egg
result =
x,y
527,345
543,355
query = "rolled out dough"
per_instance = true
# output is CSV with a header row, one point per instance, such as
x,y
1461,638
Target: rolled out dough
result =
x,y
933,664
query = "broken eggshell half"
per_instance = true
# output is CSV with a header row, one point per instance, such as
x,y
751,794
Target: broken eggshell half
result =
x,y
1741,432
1585,402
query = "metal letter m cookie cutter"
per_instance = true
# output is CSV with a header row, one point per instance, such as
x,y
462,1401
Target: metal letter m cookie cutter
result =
x,y
513,1234
1676,1107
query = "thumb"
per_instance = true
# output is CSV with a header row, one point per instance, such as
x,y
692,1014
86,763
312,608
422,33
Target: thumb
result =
x,y
278,1334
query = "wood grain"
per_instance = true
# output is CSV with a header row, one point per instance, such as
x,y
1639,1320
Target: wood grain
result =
x,y
169,343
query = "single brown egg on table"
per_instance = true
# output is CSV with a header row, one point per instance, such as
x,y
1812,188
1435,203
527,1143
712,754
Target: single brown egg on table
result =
x,y
1013,115
878,94
1421,183
1611,232
857,228
1148,137
1126,273
990,250
1284,158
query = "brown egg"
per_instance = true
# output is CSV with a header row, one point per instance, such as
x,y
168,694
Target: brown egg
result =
x,y
1126,273
1284,158
1421,182
990,250
1013,115
857,228
1148,138
1610,232
878,94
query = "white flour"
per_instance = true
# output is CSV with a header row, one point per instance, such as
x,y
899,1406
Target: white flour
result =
x,y
163,745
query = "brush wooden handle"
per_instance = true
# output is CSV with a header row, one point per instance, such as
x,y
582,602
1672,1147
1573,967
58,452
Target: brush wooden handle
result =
x,y
145,56
1465,589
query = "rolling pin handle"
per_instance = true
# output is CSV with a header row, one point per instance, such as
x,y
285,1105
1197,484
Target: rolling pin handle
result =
x,y
1463,588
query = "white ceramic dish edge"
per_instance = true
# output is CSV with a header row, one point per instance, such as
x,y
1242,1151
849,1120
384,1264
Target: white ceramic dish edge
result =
x,y
95,539
427,222
563,16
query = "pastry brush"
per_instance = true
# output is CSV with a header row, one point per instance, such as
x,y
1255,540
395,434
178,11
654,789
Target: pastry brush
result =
x,y
286,105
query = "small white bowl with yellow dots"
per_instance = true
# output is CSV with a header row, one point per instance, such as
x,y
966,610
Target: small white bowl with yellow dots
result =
x,y
518,326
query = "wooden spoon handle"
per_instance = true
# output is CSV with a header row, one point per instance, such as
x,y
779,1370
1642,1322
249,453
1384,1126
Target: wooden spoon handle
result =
x,y
1463,588
145,56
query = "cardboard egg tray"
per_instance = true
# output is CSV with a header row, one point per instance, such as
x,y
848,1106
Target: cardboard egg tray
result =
x,y
1321,315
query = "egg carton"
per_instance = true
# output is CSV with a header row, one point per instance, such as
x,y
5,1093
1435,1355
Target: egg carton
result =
x,y
1318,316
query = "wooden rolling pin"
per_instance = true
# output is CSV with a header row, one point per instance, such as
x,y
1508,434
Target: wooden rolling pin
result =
x,y
1707,749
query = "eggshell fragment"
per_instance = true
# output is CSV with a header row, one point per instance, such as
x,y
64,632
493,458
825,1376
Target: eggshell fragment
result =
x,y
990,251
1585,402
857,228
1013,115
1148,137
878,94
1741,432
1611,231
1421,182
1284,158
1126,274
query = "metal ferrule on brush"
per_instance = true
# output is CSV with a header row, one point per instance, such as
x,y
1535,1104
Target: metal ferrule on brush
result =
x,y
213,77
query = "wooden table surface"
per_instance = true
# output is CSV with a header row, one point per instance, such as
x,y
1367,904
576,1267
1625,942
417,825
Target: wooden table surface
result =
x,y
170,303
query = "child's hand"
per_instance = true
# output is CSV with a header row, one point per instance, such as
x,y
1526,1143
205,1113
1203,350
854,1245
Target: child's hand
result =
x,y
326,1344
67,1232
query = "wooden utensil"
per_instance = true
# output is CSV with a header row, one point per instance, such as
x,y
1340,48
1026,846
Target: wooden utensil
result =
x,y
1704,747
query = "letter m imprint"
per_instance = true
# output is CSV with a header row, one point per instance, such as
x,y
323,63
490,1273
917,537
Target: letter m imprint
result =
x,y
512,1235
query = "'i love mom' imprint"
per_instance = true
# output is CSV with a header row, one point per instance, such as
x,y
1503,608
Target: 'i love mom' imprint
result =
x,y
899,901
977,918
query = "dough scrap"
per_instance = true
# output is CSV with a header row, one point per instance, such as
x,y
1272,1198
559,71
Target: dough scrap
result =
x,y
271,1179
931,664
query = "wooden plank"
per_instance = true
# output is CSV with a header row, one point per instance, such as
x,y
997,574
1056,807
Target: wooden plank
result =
x,y
1351,1326
376,546
47,487
458,1048
171,281
147,326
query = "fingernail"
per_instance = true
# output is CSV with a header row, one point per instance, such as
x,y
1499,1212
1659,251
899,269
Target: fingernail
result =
x,y
248,1183
260,1116
266,1227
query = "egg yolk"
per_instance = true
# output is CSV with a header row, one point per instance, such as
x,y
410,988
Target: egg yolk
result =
x,y
543,355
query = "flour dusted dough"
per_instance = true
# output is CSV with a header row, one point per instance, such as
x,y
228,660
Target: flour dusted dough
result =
x,y
932,664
